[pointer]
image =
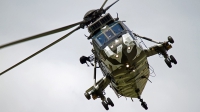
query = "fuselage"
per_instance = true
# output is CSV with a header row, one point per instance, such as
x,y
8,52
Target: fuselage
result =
x,y
123,58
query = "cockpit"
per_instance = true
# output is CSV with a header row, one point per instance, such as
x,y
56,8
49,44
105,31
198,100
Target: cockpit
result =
x,y
107,33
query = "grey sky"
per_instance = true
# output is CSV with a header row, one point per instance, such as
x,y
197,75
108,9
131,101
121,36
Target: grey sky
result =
x,y
54,81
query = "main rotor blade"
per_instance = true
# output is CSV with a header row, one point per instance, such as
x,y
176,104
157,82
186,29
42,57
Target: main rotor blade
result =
x,y
41,50
110,5
41,35
103,4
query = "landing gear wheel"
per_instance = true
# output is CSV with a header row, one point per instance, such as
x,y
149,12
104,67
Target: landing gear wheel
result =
x,y
144,105
110,102
105,105
87,95
168,62
170,39
173,60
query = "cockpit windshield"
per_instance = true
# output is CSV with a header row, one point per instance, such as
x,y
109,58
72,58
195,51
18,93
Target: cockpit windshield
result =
x,y
107,33
101,39
117,28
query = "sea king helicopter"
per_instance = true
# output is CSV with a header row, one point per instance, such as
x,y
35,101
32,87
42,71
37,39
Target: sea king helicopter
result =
x,y
116,51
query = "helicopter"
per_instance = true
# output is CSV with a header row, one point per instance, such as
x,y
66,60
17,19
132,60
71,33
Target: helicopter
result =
x,y
116,51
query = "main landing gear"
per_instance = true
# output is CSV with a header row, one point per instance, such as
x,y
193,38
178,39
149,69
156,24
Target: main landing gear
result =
x,y
105,102
97,90
165,47
162,49
169,60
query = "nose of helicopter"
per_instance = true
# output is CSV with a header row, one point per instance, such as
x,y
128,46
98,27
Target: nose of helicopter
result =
x,y
123,49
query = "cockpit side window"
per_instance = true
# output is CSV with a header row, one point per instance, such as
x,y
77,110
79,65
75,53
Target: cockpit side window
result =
x,y
117,29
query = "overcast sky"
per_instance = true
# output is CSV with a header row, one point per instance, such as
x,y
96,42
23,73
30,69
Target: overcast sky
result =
x,y
55,81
